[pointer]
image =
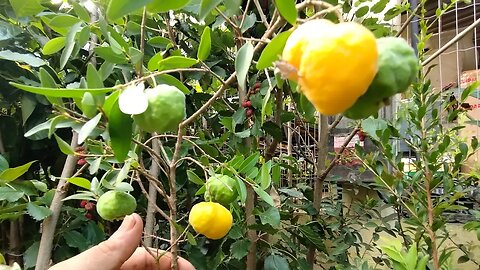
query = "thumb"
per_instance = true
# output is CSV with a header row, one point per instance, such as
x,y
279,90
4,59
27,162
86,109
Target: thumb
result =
x,y
112,253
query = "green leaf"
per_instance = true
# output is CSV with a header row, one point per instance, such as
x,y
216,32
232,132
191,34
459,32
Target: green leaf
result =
x,y
194,178
38,212
392,253
94,80
109,55
248,22
287,9
26,58
136,56
205,44
80,181
53,45
120,130
422,263
81,11
242,63
362,11
89,106
75,239
273,129
239,249
11,174
28,106
88,128
3,163
2,259
57,122
275,262
249,163
123,174
411,257
170,80
160,6
30,255
9,31
264,195
276,174
159,42
119,8
25,8
206,6
271,216
242,190
60,92
64,146
10,194
273,50
154,61
265,178
69,44
174,62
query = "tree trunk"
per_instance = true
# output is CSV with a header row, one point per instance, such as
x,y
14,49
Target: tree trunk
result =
x,y
50,223
152,193
14,243
318,185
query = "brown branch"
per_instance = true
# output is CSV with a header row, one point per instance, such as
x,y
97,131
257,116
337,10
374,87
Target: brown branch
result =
x,y
152,194
50,223
144,191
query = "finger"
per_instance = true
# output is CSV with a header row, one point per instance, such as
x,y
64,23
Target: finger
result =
x,y
112,253
143,260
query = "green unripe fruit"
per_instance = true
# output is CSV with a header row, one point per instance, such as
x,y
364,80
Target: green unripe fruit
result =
x,y
115,205
222,189
397,68
166,109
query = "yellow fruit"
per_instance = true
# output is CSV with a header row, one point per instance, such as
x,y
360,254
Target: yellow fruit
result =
x,y
334,63
210,219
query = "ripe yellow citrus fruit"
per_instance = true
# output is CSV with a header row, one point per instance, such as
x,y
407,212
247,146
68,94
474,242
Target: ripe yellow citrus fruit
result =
x,y
115,204
210,219
333,63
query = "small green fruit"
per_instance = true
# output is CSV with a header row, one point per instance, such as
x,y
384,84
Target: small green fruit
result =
x,y
166,109
115,205
397,68
221,188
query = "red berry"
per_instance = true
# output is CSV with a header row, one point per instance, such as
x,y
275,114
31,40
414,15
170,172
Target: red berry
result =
x,y
361,135
257,85
248,104
81,162
249,112
89,206
83,203
244,104
89,216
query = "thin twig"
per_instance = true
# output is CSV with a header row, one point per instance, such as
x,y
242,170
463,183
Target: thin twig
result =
x,y
144,191
262,15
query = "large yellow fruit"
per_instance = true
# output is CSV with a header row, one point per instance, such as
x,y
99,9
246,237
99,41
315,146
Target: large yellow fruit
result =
x,y
210,219
333,63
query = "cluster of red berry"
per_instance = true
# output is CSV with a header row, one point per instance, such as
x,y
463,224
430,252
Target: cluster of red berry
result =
x,y
90,207
247,103
361,135
80,151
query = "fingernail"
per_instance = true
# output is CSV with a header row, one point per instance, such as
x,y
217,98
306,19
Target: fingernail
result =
x,y
128,223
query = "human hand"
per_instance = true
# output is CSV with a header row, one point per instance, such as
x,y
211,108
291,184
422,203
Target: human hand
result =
x,y
121,252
